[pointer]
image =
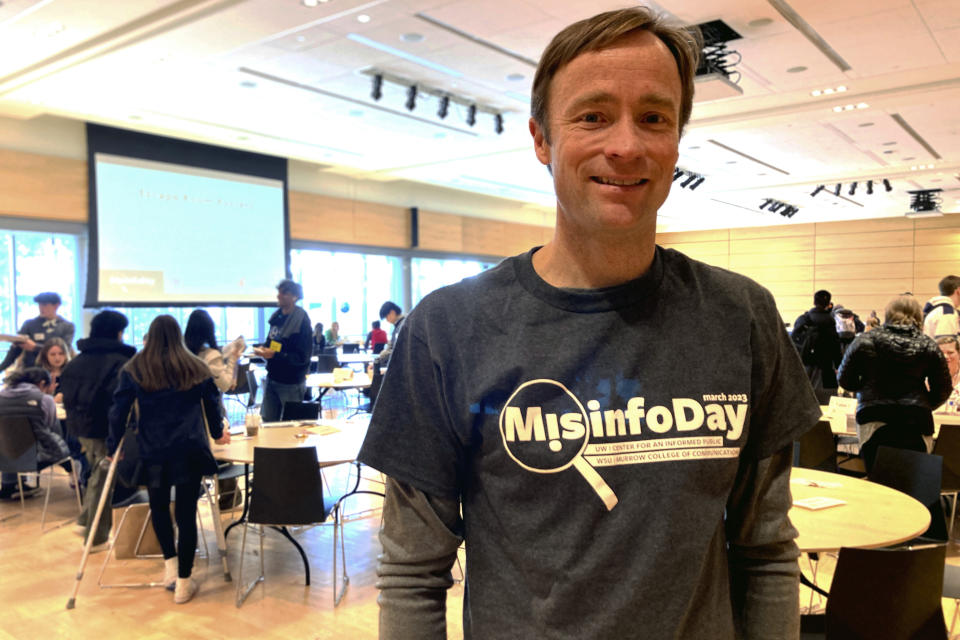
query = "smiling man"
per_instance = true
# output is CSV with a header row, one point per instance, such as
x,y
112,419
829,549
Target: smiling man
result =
x,y
611,434
287,351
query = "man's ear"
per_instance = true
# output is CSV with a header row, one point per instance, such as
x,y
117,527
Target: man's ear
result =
x,y
540,144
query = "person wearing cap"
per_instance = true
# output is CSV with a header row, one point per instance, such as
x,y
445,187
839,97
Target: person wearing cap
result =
x,y
287,351
38,330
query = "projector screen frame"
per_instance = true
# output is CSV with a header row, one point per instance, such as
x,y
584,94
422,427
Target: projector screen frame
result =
x,y
102,139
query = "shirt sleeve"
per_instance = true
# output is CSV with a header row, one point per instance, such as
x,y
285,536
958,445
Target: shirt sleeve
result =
x,y
764,574
221,368
212,407
420,537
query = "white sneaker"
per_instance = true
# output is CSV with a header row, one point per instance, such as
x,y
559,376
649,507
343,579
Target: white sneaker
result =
x,y
185,590
170,568
79,529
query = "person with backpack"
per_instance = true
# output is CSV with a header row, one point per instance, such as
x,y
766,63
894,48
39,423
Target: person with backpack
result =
x,y
940,312
848,325
815,336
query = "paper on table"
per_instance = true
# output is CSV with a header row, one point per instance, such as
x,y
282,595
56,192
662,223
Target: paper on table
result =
x,y
818,502
823,484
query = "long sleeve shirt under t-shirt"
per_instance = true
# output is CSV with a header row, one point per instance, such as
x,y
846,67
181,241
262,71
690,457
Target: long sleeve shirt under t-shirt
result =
x,y
290,363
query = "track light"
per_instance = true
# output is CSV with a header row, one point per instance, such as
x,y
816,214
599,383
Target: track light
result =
x,y
690,178
697,183
853,188
677,173
444,107
886,185
789,211
869,187
376,92
411,103
498,123
819,188
472,115
765,203
836,190
776,206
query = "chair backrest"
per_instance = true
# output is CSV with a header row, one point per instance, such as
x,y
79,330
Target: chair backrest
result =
x,y
287,487
18,446
917,475
816,449
251,388
326,363
887,593
242,385
351,347
300,411
948,446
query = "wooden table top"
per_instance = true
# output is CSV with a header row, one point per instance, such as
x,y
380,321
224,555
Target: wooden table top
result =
x,y
358,381
873,516
336,441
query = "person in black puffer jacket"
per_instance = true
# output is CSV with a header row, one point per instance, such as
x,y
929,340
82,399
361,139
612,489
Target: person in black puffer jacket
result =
x,y
87,383
891,368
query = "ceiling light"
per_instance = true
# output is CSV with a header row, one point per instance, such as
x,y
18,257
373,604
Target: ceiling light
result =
x,y
690,178
677,173
841,89
363,18
376,91
886,185
412,37
797,69
411,102
819,188
862,105
816,93
765,203
865,124
309,3
827,92
776,206
400,53
444,107
869,187
853,188
698,182
515,77
760,22
248,84
498,123
836,190
472,115
838,109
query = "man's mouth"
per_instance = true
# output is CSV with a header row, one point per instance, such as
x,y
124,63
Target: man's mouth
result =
x,y
619,182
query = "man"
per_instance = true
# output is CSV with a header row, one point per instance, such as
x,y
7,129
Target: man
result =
x,y
88,382
816,338
940,312
622,465
392,313
287,352
376,339
38,330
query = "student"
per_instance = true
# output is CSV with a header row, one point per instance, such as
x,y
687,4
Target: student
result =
x,y
287,352
376,339
178,404
37,330
200,336
616,477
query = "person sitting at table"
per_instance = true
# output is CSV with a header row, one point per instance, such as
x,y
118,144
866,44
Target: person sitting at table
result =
x,y
332,336
27,394
377,338
200,336
319,340
53,357
950,348
38,330
899,375
177,404
287,352
392,313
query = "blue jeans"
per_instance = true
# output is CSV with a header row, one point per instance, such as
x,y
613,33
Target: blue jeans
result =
x,y
275,394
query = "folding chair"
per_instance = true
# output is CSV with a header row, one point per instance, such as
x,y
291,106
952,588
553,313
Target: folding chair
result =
x,y
351,347
917,475
18,454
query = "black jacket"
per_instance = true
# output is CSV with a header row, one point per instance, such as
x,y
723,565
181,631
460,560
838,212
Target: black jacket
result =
x,y
289,365
827,348
890,368
88,382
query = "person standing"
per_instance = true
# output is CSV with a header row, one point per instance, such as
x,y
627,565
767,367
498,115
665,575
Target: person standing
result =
x,y
900,375
815,336
392,313
617,466
87,383
200,336
287,352
940,312
37,330
176,403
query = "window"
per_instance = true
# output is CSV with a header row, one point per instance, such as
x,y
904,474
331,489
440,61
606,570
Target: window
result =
x,y
427,274
346,287
230,322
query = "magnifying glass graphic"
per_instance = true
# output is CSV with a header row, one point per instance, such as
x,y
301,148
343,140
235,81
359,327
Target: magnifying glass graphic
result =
x,y
545,429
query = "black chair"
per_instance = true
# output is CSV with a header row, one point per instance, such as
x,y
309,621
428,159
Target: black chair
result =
x,y
917,475
350,347
287,491
300,411
251,388
816,449
18,454
893,594
326,363
329,351
377,348
948,447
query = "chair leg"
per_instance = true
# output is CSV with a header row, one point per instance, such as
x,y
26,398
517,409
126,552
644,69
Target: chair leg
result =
x,y
241,592
213,498
46,497
345,579
953,515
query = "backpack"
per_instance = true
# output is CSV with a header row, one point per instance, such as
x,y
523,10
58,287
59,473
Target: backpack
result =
x,y
846,328
805,339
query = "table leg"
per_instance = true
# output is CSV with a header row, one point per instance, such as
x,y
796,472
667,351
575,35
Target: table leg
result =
x,y
246,503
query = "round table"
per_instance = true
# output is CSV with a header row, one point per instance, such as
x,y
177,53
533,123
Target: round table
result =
x,y
873,516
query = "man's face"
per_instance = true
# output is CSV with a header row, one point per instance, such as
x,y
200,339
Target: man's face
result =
x,y
285,299
48,310
391,317
614,131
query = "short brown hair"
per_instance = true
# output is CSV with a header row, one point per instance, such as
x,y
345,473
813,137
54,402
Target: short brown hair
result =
x,y
164,362
948,285
598,32
903,310
949,340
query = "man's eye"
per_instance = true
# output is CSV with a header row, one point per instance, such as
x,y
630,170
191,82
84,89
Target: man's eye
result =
x,y
653,118
591,117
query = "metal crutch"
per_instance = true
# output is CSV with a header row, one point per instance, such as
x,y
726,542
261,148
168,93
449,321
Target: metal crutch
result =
x,y
104,496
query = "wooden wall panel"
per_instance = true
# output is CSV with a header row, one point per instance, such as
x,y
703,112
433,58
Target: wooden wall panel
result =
x,y
940,252
766,275
781,244
853,241
827,274
320,218
695,249
38,186
714,235
483,236
864,226
923,237
872,255
787,259
928,273
780,231
519,238
882,286
381,225
440,232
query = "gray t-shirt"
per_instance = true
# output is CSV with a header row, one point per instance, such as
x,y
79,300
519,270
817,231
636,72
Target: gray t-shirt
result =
x,y
594,438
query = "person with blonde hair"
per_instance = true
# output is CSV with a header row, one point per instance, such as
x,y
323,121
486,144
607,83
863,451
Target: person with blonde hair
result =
x,y
900,376
53,357
176,403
